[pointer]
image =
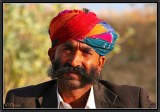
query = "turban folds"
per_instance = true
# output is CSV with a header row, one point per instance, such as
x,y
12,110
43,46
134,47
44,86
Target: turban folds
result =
x,y
82,26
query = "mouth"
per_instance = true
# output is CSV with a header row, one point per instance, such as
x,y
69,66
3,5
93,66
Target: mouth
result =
x,y
72,76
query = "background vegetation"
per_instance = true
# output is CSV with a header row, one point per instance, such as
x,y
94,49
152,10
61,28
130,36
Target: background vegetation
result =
x,y
26,43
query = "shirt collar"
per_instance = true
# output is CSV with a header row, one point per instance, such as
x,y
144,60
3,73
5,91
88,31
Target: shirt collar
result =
x,y
59,98
90,102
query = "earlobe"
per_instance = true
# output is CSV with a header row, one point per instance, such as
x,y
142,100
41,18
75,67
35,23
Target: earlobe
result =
x,y
102,60
51,53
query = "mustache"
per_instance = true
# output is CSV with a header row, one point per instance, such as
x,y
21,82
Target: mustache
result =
x,y
67,68
56,70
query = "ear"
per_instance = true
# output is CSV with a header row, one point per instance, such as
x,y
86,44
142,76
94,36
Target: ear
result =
x,y
51,53
102,60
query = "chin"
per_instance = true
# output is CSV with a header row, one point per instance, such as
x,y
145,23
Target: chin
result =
x,y
73,84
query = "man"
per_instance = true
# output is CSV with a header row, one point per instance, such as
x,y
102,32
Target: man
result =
x,y
80,42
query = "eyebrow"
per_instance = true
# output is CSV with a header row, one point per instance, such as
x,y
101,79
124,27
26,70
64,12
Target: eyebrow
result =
x,y
69,45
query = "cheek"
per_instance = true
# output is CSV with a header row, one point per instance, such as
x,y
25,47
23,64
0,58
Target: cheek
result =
x,y
93,60
63,58
90,63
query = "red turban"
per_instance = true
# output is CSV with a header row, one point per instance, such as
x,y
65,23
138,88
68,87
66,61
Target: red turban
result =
x,y
71,24
83,26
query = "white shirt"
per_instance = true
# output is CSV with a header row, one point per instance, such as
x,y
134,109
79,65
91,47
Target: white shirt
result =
x,y
89,105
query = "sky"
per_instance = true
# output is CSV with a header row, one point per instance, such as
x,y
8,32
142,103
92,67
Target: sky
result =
x,y
113,6
118,7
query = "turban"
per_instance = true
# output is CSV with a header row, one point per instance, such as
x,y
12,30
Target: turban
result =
x,y
82,26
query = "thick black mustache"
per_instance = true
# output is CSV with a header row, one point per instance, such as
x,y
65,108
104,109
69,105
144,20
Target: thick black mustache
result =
x,y
68,68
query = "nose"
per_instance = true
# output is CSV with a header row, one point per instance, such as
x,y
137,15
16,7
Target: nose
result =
x,y
76,59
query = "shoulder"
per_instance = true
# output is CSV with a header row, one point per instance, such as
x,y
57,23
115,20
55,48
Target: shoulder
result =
x,y
33,90
25,96
130,95
120,89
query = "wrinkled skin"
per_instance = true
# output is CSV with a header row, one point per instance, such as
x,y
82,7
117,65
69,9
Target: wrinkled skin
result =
x,y
76,54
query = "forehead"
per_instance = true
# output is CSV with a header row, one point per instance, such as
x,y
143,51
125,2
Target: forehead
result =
x,y
75,44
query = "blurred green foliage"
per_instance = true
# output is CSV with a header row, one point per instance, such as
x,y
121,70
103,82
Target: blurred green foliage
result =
x,y
26,44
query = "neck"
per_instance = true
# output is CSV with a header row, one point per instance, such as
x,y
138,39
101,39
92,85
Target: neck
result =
x,y
77,98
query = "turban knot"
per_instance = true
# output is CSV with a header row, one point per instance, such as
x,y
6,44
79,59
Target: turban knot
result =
x,y
82,26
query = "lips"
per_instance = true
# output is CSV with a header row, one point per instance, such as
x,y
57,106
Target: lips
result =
x,y
72,76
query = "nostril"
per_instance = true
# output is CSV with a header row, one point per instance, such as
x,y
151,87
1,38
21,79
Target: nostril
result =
x,y
78,66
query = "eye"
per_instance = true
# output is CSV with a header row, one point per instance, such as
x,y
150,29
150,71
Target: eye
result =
x,y
88,52
66,49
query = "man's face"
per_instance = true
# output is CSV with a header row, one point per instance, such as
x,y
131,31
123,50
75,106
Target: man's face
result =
x,y
75,64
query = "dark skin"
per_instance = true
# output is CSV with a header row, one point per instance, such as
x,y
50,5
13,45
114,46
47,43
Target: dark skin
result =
x,y
75,53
